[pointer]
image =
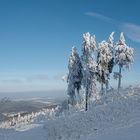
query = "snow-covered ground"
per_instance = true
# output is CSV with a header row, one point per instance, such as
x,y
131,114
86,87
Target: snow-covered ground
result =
x,y
130,132
111,117
30,132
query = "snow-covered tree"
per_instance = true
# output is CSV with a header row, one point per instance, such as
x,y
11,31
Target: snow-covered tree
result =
x,y
104,58
89,65
105,61
111,41
111,62
75,75
111,46
123,56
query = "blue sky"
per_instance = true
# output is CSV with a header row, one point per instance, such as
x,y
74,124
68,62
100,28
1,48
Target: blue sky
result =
x,y
36,37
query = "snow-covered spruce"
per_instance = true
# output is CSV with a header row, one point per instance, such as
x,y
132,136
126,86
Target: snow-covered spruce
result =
x,y
123,56
75,76
105,61
89,65
112,49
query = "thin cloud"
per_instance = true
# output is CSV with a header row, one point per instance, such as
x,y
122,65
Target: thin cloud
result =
x,y
12,81
20,79
101,17
131,30
37,77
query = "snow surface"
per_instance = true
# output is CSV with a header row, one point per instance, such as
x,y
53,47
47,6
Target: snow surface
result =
x,y
36,133
127,133
111,111
114,116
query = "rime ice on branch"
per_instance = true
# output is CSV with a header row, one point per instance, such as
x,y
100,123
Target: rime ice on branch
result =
x,y
89,65
105,61
75,75
123,56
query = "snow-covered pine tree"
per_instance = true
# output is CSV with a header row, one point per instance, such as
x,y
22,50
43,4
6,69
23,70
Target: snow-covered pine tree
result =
x,y
111,62
111,46
123,56
89,66
103,59
75,75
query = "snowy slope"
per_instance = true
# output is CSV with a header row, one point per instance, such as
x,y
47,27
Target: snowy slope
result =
x,y
130,131
112,117
36,133
112,110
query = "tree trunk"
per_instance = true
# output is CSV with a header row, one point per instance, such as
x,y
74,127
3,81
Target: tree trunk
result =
x,y
102,88
86,107
107,85
87,94
68,104
120,76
